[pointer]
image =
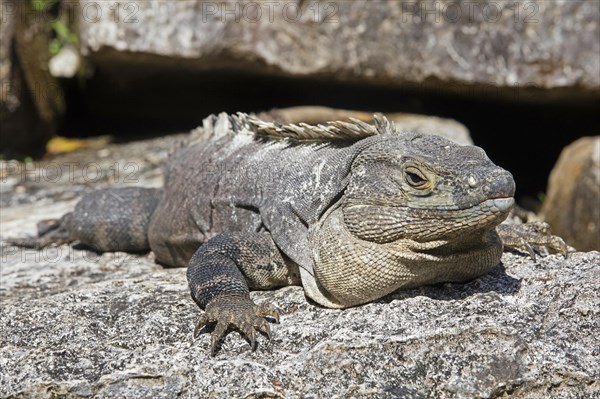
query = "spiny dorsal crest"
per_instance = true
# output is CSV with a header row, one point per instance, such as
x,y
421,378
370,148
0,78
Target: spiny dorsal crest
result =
x,y
241,123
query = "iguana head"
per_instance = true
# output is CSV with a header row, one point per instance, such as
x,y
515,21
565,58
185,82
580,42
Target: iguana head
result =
x,y
424,188
416,210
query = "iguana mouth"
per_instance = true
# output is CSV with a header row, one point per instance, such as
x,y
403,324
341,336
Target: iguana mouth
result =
x,y
502,204
495,205
491,205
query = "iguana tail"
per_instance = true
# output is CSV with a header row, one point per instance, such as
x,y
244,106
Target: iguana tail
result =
x,y
106,220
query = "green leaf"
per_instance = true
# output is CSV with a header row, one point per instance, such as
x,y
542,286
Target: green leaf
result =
x,y
54,47
42,5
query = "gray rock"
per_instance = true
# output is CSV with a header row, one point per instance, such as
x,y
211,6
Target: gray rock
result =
x,y
77,324
572,206
457,47
120,326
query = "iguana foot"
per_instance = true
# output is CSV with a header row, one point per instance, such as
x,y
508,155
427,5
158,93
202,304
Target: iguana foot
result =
x,y
529,235
239,313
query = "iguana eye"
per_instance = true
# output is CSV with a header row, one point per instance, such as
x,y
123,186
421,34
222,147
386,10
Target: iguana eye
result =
x,y
415,178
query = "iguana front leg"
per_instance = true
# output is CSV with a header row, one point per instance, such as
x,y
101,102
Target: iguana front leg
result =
x,y
220,274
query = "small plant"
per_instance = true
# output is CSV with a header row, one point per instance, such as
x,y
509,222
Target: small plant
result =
x,y
62,34
43,5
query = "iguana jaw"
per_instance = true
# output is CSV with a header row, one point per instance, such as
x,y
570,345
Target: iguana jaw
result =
x,y
500,203
383,224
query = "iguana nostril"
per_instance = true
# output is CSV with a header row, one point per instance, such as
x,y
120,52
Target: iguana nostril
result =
x,y
499,184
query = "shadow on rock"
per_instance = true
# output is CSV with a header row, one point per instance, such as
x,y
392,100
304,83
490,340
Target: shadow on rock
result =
x,y
495,281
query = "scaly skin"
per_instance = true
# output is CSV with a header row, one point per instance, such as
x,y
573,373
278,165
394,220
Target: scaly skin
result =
x,y
349,210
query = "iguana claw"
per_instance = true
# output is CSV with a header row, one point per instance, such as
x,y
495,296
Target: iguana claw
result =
x,y
238,313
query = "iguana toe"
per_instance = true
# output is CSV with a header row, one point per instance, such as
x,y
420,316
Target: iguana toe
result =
x,y
202,321
267,310
264,328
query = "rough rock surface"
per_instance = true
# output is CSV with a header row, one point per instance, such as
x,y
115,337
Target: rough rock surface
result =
x,y
77,324
573,204
433,44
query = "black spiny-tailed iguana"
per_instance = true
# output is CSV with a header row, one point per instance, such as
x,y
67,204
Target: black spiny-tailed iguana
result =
x,y
352,211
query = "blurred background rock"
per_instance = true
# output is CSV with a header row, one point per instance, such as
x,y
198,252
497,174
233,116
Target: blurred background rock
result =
x,y
523,77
